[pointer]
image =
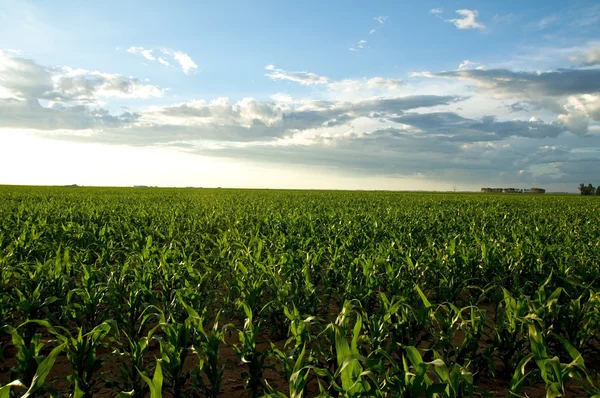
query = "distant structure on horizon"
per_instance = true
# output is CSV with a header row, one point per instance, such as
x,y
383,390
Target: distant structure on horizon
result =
x,y
513,190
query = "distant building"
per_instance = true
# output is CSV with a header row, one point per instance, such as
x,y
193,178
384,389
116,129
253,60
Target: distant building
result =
x,y
513,190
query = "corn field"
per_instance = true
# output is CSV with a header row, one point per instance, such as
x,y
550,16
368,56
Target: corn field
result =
x,y
118,292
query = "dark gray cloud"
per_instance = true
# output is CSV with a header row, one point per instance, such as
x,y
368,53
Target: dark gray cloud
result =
x,y
251,120
397,150
30,114
520,106
559,82
458,128
572,94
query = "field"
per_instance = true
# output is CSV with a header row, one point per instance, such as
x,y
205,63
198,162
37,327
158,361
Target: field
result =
x,y
137,292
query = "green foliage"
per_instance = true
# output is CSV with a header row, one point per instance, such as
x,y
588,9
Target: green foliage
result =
x,y
348,293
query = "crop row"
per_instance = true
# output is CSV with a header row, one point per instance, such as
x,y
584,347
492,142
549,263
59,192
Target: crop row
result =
x,y
195,292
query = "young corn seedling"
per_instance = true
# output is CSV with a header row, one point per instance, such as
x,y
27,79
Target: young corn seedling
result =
x,y
31,305
589,385
414,380
175,343
207,348
32,368
579,318
458,379
296,363
249,354
297,371
82,355
81,351
509,332
133,358
87,303
156,384
458,332
348,359
554,373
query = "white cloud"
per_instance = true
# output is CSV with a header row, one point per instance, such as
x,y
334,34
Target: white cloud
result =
x,y
85,86
372,31
381,19
305,78
339,89
186,63
373,86
146,53
468,20
25,80
377,125
466,64
436,11
246,121
184,60
359,45
576,122
572,95
588,58
383,83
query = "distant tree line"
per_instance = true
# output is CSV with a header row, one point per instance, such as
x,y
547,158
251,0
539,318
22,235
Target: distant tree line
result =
x,y
513,190
589,189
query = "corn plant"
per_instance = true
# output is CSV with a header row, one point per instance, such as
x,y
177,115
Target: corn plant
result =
x,y
133,357
82,354
353,293
554,373
175,341
155,384
206,346
248,352
509,331
32,368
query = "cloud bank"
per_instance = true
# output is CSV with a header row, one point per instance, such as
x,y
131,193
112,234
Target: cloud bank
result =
x,y
373,125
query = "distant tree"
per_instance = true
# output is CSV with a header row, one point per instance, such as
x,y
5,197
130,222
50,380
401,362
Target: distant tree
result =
x,y
587,190
598,190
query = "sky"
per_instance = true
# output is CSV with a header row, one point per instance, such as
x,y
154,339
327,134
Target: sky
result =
x,y
398,95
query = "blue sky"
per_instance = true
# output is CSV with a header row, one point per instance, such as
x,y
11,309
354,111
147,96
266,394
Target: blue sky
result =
x,y
391,95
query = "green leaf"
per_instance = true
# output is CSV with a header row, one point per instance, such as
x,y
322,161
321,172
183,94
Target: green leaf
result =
x,y
43,370
575,355
516,382
155,384
426,302
413,355
5,390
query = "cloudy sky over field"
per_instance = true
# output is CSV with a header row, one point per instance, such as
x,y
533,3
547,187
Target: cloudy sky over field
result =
x,y
391,95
